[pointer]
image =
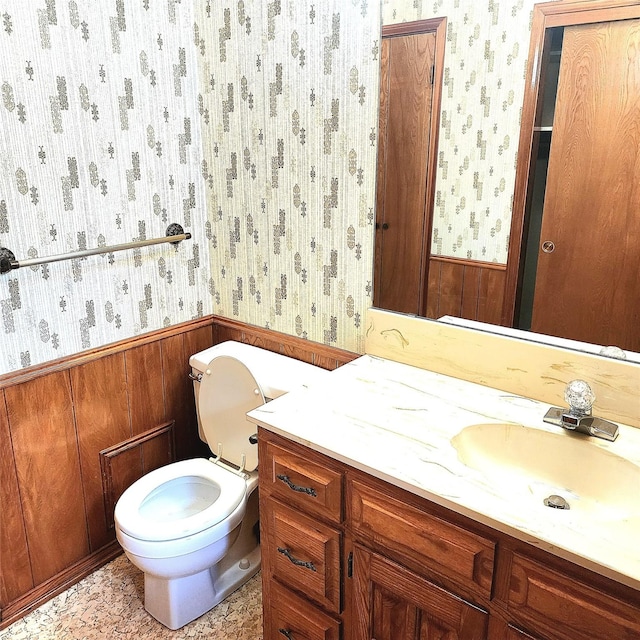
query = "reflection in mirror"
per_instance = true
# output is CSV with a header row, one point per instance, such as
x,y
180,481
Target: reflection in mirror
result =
x,y
587,347
574,280
410,81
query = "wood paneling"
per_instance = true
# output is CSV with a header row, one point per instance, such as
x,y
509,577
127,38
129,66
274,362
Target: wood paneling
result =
x,y
178,389
15,568
60,415
45,448
313,352
465,289
102,419
78,359
122,464
145,388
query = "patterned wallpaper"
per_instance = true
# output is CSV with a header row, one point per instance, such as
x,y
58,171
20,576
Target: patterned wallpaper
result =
x,y
252,123
484,77
289,102
101,145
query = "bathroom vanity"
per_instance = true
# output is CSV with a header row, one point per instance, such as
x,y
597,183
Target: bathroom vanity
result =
x,y
383,515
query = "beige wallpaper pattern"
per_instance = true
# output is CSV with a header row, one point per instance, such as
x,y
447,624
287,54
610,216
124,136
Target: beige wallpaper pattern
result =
x,y
253,123
100,145
289,93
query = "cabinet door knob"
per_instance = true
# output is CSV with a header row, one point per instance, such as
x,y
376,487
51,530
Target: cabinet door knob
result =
x,y
287,634
548,246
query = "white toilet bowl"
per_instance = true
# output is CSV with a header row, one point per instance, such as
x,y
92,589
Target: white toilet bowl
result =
x,y
192,526
176,524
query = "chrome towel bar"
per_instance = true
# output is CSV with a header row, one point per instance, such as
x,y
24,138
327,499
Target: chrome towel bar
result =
x,y
8,262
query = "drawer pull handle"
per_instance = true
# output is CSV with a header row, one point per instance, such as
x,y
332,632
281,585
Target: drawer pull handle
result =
x,y
308,490
299,563
287,634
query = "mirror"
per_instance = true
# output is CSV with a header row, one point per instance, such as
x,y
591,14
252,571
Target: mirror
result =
x,y
460,282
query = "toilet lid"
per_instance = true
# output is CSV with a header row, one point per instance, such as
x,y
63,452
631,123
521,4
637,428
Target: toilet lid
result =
x,y
228,391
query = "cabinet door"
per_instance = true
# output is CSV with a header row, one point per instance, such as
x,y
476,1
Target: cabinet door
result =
x,y
517,634
558,606
392,603
303,554
294,618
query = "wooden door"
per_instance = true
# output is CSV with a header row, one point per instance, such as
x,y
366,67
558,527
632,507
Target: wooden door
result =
x,y
392,603
588,280
406,97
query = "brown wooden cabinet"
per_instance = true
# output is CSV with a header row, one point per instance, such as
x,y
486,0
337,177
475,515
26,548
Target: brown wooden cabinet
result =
x,y
392,602
301,515
348,556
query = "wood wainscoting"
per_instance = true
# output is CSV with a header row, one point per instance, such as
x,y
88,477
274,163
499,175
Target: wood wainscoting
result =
x,y
75,432
466,289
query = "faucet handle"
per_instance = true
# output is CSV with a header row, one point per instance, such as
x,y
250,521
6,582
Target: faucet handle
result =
x,y
579,397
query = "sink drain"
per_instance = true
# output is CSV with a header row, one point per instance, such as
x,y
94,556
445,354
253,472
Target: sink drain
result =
x,y
556,502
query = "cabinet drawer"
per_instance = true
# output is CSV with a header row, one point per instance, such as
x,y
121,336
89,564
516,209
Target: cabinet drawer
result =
x,y
565,607
304,554
302,481
294,618
420,538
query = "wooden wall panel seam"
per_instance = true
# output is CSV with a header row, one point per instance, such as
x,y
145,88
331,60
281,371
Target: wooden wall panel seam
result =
x,y
67,374
23,526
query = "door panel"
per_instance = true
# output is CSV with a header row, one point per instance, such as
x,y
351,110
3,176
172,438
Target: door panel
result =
x,y
406,95
393,603
588,288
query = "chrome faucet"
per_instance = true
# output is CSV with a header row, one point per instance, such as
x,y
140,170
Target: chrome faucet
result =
x,y
580,398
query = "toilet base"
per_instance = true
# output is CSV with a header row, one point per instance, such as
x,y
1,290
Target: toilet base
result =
x,y
178,601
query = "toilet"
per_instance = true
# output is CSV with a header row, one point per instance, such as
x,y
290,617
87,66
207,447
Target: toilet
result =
x,y
192,526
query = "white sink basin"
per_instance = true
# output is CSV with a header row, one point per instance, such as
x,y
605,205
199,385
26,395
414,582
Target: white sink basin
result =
x,y
533,464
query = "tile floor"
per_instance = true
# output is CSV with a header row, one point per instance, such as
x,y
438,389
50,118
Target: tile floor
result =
x,y
108,604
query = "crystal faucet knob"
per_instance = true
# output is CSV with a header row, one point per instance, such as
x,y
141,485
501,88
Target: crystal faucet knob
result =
x,y
580,397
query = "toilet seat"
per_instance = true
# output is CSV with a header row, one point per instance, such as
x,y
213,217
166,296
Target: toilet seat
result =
x,y
221,491
228,391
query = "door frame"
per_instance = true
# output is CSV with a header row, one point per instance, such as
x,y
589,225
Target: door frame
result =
x,y
546,15
439,27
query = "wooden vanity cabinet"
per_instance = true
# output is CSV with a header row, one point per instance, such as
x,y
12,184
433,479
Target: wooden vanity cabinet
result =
x,y
412,570
347,556
391,602
302,537
560,604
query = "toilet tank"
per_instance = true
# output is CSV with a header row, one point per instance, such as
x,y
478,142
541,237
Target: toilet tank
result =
x,y
275,374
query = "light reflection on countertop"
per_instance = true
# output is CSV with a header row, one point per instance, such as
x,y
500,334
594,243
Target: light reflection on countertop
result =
x,y
396,422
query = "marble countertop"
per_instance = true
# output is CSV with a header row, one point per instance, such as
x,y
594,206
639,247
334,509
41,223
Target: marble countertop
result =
x,y
396,422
